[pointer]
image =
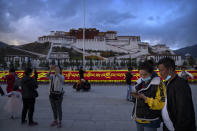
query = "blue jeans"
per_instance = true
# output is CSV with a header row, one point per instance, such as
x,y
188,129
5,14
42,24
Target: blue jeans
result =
x,y
140,127
129,89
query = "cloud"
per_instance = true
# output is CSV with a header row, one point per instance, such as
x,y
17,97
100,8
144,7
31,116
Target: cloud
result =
x,y
172,22
176,27
13,10
151,18
63,9
110,17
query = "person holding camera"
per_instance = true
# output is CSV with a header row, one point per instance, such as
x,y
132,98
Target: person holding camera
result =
x,y
56,93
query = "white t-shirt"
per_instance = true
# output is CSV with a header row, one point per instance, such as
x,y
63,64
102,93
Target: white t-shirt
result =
x,y
166,117
57,82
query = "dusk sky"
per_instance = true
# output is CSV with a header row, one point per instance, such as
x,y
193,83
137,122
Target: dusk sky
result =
x,y
170,22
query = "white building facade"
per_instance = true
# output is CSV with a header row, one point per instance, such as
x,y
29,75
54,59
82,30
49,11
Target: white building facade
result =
x,y
132,46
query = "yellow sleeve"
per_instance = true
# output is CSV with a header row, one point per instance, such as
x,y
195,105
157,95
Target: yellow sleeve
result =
x,y
156,103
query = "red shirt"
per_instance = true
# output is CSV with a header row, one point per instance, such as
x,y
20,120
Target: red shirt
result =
x,y
10,82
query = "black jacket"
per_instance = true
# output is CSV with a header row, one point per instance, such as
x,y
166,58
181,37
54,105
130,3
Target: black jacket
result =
x,y
81,74
149,89
128,78
29,86
180,106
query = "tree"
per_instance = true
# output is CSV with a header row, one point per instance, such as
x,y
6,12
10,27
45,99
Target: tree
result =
x,y
91,64
104,63
140,63
129,63
66,64
77,64
47,64
2,58
191,61
114,63
16,64
117,65
122,63
11,64
4,64
24,65
184,63
96,63
108,64
29,63
58,62
134,63
71,64
41,64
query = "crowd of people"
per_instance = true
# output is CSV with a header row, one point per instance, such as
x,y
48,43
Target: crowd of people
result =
x,y
22,94
166,99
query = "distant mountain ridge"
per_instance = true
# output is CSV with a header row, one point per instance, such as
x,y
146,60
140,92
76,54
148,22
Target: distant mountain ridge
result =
x,y
41,48
3,44
192,50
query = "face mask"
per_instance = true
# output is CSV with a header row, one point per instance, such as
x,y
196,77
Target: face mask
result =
x,y
146,79
168,77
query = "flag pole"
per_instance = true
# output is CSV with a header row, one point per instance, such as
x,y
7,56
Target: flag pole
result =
x,y
83,33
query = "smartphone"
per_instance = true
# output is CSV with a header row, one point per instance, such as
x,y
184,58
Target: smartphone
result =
x,y
135,94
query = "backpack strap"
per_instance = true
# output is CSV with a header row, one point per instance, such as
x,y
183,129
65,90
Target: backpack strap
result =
x,y
52,85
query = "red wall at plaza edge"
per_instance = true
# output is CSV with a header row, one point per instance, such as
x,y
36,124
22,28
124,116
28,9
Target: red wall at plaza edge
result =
x,y
92,76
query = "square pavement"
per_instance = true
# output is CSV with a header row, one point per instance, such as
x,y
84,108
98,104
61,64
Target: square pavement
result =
x,y
104,108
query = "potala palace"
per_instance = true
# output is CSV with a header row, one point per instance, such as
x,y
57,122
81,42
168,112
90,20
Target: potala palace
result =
x,y
66,48
95,40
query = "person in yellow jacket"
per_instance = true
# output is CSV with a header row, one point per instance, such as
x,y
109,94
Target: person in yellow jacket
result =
x,y
150,99
158,102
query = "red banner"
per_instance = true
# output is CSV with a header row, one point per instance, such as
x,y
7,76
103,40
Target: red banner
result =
x,y
92,76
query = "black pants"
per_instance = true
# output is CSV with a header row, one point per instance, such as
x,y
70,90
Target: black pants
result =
x,y
28,106
1,91
56,105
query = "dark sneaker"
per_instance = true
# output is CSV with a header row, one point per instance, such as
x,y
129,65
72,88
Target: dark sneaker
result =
x,y
23,122
59,125
33,124
54,123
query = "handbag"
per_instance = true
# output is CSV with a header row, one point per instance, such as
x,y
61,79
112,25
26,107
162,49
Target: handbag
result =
x,y
56,95
17,82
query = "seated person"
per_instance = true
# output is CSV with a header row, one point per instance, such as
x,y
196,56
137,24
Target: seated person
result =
x,y
87,86
79,85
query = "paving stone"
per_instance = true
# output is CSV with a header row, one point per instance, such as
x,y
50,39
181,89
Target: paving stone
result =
x,y
104,108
